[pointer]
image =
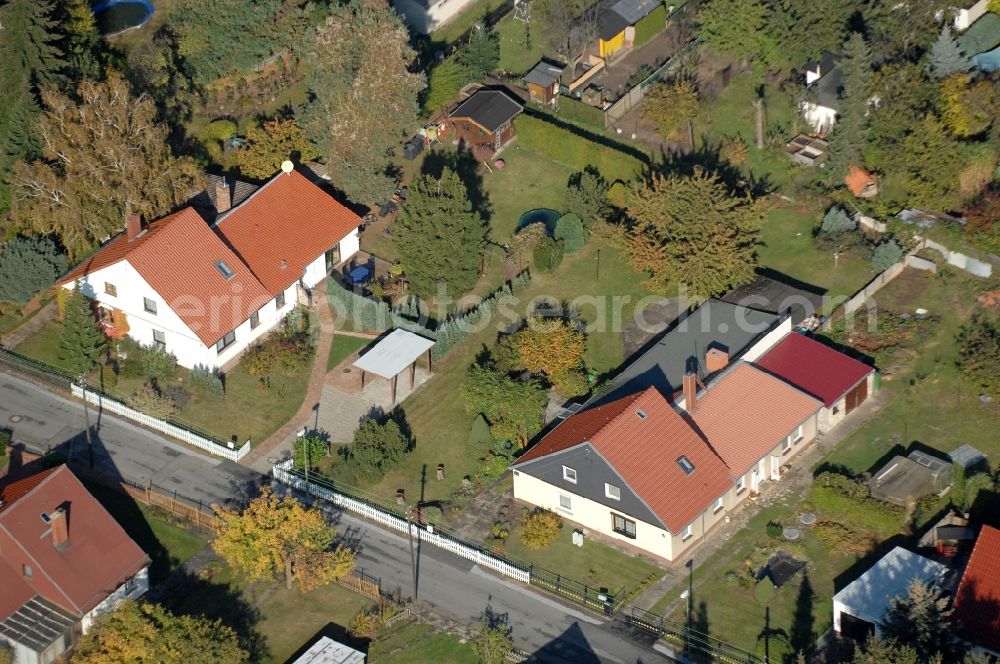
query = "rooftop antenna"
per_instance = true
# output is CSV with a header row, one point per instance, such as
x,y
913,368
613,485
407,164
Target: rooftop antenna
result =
x,y
287,166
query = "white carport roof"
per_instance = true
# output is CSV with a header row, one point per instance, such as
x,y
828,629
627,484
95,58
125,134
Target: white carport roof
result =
x,y
394,353
868,596
328,651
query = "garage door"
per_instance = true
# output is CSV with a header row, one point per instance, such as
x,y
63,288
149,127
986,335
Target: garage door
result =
x,y
856,396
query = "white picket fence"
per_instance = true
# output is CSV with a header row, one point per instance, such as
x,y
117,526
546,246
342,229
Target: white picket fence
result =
x,y
282,473
118,408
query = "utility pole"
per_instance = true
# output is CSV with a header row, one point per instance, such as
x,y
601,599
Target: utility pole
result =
x,y
413,556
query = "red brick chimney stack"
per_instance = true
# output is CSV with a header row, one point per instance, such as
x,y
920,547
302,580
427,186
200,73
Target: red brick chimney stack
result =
x,y
690,385
133,225
223,197
60,529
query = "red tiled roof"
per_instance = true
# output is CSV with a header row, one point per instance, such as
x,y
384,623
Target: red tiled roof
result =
x,y
814,367
977,600
746,412
15,490
99,557
286,225
644,451
177,256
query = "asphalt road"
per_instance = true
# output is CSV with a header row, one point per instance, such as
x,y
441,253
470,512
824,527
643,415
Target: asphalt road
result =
x,y
446,583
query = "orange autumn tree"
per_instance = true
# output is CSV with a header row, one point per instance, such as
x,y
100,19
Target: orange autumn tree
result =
x,y
276,537
119,325
553,347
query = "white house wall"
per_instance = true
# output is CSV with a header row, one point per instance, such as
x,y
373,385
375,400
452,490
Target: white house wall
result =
x,y
591,515
427,19
181,341
123,593
820,118
769,340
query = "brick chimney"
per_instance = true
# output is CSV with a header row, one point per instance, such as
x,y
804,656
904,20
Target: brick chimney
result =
x,y
60,529
716,359
223,197
690,390
133,225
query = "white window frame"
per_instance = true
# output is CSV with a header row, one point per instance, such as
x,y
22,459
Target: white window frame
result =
x,y
569,474
569,500
162,341
687,532
717,505
786,445
149,305
609,493
741,484
796,435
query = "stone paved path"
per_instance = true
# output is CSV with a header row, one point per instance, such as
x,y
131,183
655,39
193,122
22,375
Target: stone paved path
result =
x,y
494,503
263,456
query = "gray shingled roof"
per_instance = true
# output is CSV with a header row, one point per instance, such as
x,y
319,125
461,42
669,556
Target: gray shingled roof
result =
x,y
715,324
544,74
488,108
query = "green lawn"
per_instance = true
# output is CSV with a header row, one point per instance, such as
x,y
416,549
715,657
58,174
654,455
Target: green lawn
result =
x,y
519,51
44,345
167,541
594,564
342,347
459,27
528,181
414,643
787,246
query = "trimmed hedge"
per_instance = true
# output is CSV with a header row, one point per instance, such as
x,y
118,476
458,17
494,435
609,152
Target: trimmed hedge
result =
x,y
377,315
575,110
653,24
575,151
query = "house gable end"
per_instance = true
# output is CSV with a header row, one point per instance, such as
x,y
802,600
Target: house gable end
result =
x,y
592,473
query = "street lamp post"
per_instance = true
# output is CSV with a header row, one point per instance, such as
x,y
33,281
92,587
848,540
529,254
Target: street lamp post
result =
x,y
86,421
413,556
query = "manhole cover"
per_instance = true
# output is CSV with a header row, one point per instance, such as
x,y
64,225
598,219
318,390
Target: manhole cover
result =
x,y
347,370
807,519
791,533
14,419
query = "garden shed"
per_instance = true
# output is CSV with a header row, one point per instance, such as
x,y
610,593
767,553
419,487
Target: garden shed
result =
x,y
861,605
967,456
905,479
393,354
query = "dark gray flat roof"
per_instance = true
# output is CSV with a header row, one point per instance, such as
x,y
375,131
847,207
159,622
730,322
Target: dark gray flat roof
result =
x,y
715,324
773,295
489,108
37,624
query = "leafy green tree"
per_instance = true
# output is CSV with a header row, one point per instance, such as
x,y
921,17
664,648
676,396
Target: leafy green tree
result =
x,y
967,107
149,399
379,445
670,106
482,54
905,97
979,352
548,254
80,42
903,30
364,96
569,229
541,528
146,633
837,221
921,619
706,258
587,196
81,341
493,641
850,136
271,143
445,82
549,346
946,58
27,265
974,485
157,67
308,450
933,161
513,408
806,28
104,156
737,28
440,238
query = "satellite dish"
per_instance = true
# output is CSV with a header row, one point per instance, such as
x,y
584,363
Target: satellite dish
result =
x,y
287,166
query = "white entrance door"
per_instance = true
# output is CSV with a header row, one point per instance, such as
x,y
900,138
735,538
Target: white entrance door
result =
x,y
756,476
775,468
